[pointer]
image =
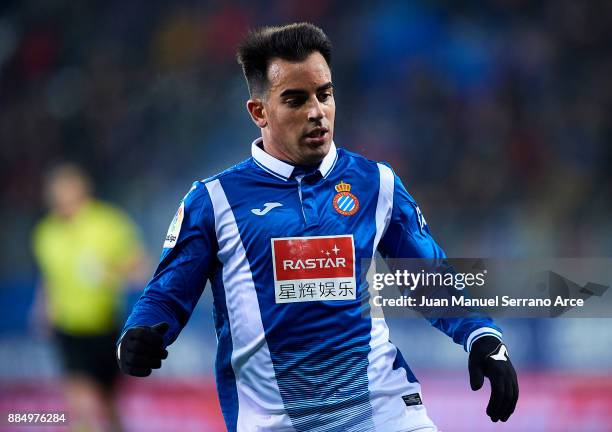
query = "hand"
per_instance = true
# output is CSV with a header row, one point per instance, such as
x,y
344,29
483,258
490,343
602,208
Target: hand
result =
x,y
489,357
142,349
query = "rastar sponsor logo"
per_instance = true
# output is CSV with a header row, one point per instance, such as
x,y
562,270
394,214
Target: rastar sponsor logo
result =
x,y
314,268
313,263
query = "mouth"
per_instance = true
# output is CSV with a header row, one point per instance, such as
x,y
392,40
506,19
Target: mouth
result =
x,y
317,135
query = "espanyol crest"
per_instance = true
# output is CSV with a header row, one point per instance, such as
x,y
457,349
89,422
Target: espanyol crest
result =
x,y
345,202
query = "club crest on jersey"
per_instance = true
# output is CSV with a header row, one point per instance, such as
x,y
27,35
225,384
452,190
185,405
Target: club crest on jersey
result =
x,y
344,201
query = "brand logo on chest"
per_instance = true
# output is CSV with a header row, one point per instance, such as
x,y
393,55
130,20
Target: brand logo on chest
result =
x,y
314,268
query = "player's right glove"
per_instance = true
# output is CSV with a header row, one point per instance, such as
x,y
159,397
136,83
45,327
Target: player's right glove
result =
x,y
489,358
142,349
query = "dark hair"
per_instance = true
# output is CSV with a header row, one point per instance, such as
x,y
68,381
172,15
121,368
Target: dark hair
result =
x,y
67,169
293,42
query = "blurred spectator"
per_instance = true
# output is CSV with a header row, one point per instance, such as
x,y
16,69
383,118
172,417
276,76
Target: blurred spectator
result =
x,y
497,114
86,250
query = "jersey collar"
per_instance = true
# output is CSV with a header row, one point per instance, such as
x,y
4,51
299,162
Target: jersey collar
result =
x,y
283,170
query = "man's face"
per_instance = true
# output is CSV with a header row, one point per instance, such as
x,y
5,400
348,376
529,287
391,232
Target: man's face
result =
x,y
66,194
298,111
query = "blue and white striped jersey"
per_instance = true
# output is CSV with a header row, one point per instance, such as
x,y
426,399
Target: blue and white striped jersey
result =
x,y
283,251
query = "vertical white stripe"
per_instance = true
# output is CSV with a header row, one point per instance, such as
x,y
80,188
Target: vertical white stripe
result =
x,y
259,400
384,207
387,385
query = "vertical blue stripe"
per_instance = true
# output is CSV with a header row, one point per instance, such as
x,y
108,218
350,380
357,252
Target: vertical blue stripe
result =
x,y
224,373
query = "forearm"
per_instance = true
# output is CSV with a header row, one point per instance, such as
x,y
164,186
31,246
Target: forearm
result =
x,y
151,309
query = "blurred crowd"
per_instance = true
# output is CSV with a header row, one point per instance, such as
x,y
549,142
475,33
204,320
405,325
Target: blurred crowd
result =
x,y
496,114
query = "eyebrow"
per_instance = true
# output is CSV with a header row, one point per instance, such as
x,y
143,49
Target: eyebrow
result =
x,y
293,92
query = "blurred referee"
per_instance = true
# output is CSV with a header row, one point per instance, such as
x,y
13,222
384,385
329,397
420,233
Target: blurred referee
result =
x,y
86,251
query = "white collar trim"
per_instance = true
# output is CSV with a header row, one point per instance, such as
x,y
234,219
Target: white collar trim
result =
x,y
283,170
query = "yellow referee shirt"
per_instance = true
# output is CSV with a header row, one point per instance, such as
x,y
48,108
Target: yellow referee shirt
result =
x,y
83,263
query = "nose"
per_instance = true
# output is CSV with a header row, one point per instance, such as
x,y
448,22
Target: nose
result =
x,y
315,111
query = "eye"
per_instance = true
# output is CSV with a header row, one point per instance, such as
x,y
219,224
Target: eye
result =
x,y
294,101
324,96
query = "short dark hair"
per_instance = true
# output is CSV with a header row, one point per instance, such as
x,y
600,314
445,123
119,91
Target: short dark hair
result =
x,y
292,42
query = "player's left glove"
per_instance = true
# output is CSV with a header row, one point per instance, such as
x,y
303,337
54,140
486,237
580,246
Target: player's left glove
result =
x,y
489,357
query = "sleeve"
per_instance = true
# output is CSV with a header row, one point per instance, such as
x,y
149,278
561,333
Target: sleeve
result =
x,y
186,261
408,236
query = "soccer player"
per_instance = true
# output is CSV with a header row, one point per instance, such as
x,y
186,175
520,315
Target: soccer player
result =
x,y
87,252
281,237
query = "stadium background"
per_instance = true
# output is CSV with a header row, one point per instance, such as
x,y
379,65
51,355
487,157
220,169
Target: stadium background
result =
x,y
496,114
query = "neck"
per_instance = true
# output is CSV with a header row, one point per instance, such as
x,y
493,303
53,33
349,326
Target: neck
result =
x,y
278,153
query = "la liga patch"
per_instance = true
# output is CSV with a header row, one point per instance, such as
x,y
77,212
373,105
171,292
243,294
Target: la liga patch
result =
x,y
175,227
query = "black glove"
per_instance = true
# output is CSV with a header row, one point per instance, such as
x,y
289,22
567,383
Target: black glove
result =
x,y
142,349
489,357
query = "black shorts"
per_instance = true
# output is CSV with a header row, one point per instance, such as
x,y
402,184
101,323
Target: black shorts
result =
x,y
92,356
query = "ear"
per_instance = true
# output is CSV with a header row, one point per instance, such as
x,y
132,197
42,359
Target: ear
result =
x,y
256,109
